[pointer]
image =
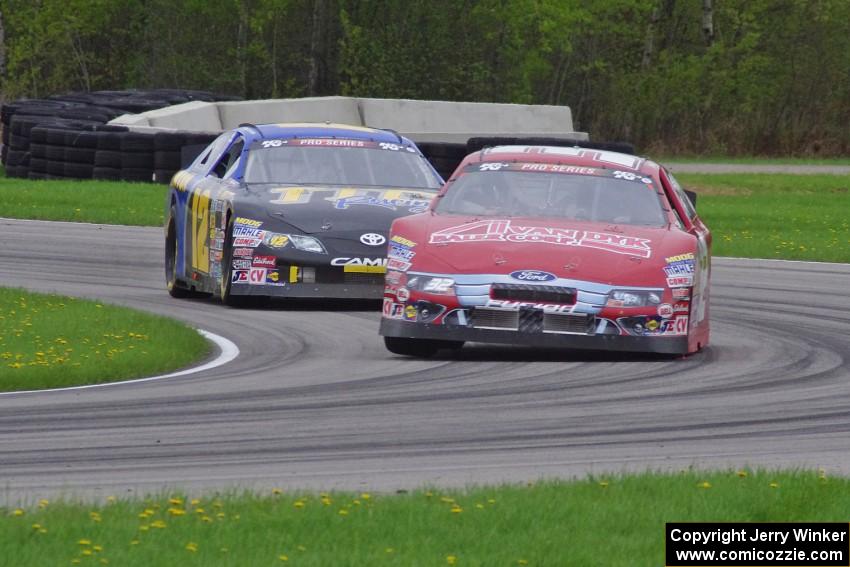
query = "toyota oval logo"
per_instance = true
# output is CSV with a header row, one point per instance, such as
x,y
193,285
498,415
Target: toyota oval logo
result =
x,y
372,239
533,276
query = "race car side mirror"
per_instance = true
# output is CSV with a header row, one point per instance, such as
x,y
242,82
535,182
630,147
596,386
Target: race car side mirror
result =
x,y
692,196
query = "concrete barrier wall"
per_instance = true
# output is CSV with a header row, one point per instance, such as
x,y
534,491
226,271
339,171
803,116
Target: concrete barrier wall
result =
x,y
421,120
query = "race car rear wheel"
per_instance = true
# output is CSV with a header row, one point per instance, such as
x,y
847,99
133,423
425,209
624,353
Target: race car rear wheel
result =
x,y
423,348
174,286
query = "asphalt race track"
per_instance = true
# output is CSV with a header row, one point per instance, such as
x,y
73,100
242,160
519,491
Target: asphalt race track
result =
x,y
315,401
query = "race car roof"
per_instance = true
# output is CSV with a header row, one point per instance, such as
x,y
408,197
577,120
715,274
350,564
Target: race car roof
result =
x,y
571,155
254,132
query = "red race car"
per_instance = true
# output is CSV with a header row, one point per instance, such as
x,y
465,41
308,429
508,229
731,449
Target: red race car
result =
x,y
551,247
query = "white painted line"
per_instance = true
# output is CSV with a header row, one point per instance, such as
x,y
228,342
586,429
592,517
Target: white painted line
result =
x,y
229,351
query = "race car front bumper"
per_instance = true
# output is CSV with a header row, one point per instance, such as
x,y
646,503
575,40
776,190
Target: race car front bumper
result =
x,y
312,290
625,343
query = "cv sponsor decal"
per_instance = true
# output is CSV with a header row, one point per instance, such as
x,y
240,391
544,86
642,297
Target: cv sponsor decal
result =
x,y
503,230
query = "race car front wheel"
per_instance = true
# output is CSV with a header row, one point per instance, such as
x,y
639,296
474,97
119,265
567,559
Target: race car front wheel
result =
x,y
171,283
422,348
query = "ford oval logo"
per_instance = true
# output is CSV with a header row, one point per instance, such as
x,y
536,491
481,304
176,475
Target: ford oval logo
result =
x,y
533,276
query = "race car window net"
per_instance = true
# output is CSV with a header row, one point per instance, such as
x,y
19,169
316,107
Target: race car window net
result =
x,y
370,164
593,195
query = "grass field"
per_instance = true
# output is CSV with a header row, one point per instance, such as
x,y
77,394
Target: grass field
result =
x,y
49,341
802,217
107,202
794,217
596,521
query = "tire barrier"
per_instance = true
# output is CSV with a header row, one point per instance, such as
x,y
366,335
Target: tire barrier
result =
x,y
67,136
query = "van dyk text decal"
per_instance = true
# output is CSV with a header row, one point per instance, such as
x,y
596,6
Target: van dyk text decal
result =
x,y
506,231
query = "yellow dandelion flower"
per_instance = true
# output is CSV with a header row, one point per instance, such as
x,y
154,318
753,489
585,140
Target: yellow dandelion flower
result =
x,y
36,527
195,502
176,511
283,557
451,559
365,496
192,546
456,509
111,499
159,524
104,561
326,501
134,542
84,542
206,519
704,484
97,548
175,501
86,552
447,500
95,516
18,512
491,500
42,531
742,474
199,510
43,503
603,483
298,504
343,512
301,548
220,515
75,561
277,491
480,506
144,528
774,485
224,550
389,550
522,561
429,494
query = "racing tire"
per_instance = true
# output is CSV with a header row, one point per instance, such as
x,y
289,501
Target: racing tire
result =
x,y
420,348
107,158
172,284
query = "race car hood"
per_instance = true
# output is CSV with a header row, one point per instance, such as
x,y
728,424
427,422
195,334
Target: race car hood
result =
x,y
602,252
315,209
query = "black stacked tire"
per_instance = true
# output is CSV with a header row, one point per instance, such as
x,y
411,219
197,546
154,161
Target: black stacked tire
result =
x,y
137,157
445,157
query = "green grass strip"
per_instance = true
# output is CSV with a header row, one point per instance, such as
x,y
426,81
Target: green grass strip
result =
x,y
105,202
596,521
752,160
50,341
792,217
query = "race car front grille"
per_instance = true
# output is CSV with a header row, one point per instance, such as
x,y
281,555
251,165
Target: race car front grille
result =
x,y
534,293
484,318
568,323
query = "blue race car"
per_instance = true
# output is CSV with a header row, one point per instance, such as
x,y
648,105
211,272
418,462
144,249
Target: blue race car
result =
x,y
292,210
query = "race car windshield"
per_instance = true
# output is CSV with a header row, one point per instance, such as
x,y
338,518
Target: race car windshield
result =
x,y
599,198
326,165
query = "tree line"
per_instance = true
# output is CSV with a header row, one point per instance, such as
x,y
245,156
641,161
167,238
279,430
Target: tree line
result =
x,y
765,77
